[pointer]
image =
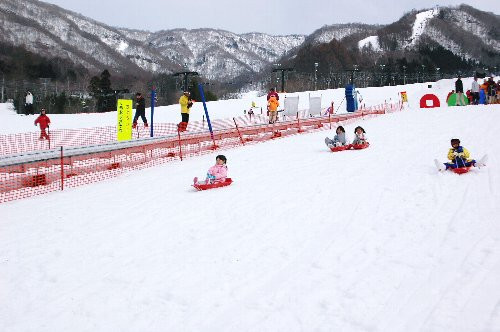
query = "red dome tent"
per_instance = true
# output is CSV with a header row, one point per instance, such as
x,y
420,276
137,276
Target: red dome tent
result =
x,y
429,97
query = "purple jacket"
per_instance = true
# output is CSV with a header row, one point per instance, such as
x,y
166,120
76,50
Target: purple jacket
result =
x,y
219,171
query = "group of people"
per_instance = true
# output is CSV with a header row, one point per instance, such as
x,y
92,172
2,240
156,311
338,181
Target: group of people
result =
x,y
458,156
340,138
486,93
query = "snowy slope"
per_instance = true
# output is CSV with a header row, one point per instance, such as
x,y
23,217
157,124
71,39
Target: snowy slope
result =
x,y
13,123
304,239
420,24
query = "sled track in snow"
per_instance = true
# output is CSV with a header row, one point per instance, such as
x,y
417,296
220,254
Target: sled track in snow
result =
x,y
33,173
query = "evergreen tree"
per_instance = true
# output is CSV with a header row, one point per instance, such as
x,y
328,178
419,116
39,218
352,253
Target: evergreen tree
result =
x,y
100,89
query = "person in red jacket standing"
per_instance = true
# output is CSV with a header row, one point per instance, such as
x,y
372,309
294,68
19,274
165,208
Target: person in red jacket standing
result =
x,y
44,122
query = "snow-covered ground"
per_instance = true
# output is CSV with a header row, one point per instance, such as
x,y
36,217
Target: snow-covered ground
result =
x,y
371,40
14,123
303,240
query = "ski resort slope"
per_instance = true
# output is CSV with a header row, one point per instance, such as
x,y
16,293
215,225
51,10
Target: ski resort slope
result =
x,y
11,123
303,240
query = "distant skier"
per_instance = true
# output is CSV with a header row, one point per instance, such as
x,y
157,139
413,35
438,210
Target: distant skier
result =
x,y
338,140
140,110
44,122
360,137
459,157
216,173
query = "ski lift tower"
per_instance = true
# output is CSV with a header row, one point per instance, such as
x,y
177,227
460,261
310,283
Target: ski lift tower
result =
x,y
185,74
282,70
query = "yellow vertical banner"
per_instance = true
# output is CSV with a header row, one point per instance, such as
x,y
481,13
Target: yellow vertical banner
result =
x,y
124,125
404,97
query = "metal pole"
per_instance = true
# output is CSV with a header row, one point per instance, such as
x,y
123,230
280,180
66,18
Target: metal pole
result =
x,y
3,87
153,99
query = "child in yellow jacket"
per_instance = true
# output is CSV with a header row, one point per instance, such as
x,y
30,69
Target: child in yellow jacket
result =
x,y
459,156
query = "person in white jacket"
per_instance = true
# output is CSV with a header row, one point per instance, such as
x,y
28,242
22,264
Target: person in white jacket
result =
x,y
28,103
475,91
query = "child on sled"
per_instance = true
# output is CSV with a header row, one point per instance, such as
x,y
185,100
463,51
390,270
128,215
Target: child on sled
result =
x,y
338,140
459,157
216,173
360,137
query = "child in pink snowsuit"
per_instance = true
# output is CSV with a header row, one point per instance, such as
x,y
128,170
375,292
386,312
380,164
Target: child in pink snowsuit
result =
x,y
216,173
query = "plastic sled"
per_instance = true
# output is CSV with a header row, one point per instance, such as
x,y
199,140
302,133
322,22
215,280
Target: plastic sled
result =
x,y
360,146
204,186
340,148
460,170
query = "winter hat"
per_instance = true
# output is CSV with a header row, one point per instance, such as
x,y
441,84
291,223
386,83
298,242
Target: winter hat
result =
x,y
455,141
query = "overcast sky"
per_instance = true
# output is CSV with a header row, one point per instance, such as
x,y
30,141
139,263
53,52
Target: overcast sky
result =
x,y
280,17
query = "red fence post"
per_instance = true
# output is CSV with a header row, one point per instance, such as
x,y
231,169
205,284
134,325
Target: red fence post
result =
x,y
62,169
238,129
298,123
180,143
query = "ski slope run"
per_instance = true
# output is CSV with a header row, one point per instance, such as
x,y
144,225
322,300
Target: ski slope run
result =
x,y
303,240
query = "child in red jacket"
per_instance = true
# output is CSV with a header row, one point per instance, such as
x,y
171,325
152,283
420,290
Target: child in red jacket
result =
x,y
44,122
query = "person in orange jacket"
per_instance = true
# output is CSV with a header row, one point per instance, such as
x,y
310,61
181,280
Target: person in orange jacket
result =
x,y
272,106
44,122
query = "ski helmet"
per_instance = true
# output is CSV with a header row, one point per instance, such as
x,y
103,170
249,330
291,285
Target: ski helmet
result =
x,y
455,141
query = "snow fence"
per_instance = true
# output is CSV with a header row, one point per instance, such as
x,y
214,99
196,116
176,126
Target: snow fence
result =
x,y
81,156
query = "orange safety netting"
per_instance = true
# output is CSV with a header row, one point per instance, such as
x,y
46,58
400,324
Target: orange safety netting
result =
x,y
25,179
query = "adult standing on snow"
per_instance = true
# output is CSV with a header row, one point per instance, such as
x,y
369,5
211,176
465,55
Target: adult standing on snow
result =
x,y
28,103
459,88
186,103
475,91
140,110
44,122
272,106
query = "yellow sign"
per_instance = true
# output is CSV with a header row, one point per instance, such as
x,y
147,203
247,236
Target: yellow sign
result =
x,y
404,97
124,125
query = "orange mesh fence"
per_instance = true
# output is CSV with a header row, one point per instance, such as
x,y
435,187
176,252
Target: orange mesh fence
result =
x,y
27,174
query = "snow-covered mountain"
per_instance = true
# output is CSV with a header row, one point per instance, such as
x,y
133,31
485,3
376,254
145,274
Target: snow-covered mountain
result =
x,y
220,54
466,32
52,31
340,31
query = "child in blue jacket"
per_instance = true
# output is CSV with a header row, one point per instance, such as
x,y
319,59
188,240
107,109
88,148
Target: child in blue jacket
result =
x,y
338,140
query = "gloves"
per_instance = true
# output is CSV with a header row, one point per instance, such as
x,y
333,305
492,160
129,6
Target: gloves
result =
x,y
455,154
